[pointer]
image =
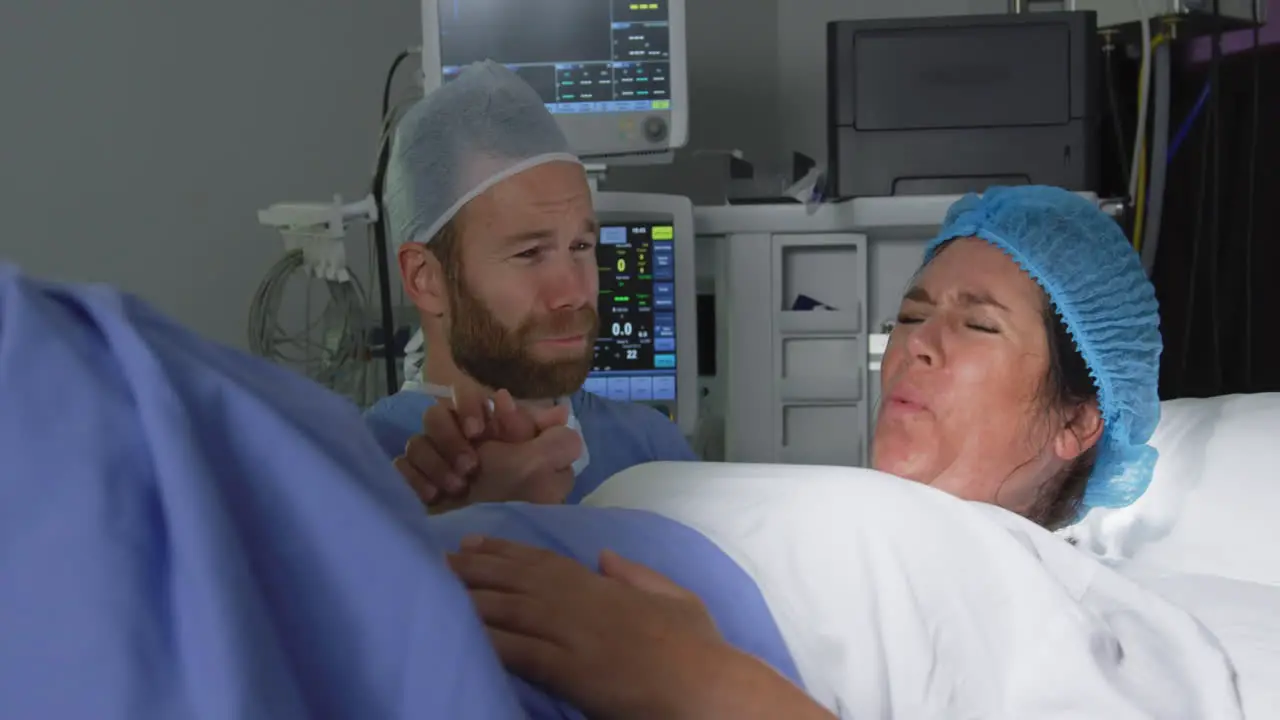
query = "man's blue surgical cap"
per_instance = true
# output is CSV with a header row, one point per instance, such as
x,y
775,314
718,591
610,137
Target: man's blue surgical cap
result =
x,y
1095,282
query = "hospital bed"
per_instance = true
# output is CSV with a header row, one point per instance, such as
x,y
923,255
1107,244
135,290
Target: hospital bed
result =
x,y
1204,538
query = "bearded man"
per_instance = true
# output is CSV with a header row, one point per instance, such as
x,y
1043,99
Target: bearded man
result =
x,y
497,250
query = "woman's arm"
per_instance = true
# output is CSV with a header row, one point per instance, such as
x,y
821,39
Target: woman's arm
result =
x,y
732,684
625,643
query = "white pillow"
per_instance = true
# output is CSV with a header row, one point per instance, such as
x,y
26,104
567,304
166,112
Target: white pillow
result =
x,y
1245,617
1213,507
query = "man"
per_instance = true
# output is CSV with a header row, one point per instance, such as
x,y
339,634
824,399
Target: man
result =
x,y
497,250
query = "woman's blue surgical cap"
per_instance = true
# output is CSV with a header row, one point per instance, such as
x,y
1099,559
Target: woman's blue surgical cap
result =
x,y
1095,282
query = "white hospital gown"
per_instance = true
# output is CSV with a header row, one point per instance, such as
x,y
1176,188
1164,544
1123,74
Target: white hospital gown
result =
x,y
899,601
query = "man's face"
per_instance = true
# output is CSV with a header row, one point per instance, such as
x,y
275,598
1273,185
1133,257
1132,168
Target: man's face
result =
x,y
522,303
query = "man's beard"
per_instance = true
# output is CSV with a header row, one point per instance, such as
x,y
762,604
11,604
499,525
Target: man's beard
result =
x,y
499,358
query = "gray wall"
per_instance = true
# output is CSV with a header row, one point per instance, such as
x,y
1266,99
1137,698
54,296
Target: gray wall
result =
x,y
139,138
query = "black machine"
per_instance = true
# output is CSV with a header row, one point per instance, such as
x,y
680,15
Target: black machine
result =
x,y
952,105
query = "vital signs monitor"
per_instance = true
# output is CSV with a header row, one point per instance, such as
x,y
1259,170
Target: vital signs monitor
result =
x,y
647,349
613,72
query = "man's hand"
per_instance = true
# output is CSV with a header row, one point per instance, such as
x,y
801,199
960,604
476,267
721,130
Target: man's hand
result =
x,y
469,454
538,471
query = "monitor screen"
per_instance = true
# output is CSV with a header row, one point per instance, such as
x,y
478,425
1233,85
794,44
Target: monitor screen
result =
x,y
582,56
635,358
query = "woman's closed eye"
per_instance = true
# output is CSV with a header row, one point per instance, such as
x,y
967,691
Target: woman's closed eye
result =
x,y
974,325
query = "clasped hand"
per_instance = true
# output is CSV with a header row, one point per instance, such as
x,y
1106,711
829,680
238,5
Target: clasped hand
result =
x,y
472,454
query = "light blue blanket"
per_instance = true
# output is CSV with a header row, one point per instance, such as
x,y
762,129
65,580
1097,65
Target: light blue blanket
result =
x,y
187,532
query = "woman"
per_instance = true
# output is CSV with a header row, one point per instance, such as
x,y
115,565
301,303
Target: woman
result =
x,y
1026,298
1022,372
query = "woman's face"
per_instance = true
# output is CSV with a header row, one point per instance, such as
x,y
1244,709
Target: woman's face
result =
x,y
963,382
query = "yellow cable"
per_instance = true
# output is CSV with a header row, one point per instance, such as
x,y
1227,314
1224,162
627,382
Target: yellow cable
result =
x,y
1140,202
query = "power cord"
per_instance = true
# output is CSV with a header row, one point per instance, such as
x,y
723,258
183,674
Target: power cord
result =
x,y
1144,93
1142,148
379,229
1189,121
337,359
391,75
1113,98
